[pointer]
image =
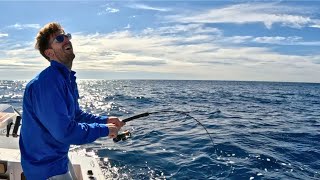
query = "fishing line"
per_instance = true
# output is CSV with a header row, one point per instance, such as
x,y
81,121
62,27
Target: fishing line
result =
x,y
123,136
126,134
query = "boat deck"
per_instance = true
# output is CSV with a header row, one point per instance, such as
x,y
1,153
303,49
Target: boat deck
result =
x,y
85,167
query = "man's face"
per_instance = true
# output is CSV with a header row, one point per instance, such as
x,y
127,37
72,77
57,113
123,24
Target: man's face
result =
x,y
63,50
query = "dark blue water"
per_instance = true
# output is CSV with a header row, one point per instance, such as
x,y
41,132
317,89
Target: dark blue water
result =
x,y
261,130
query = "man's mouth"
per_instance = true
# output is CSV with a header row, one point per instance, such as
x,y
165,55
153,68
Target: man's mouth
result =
x,y
68,47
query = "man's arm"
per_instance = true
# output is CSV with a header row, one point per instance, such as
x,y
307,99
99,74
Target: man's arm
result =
x,y
51,108
82,116
90,118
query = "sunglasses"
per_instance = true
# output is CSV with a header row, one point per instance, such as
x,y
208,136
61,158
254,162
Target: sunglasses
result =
x,y
60,38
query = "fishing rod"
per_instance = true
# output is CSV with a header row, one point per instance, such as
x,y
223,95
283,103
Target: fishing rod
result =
x,y
126,134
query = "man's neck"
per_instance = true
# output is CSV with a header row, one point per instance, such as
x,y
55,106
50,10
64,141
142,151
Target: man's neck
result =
x,y
68,65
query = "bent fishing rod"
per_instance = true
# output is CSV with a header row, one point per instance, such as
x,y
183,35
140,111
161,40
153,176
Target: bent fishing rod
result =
x,y
126,134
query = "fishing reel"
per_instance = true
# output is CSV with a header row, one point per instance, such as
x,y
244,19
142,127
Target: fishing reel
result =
x,y
122,136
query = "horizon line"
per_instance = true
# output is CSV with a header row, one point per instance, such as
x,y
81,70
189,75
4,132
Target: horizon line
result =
x,y
123,79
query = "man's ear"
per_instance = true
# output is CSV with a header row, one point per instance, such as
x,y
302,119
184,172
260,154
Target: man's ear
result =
x,y
49,53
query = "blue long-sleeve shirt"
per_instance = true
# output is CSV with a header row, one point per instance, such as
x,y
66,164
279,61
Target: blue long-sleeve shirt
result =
x,y
52,120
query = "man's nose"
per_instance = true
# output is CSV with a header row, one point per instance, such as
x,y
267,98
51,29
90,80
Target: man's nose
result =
x,y
66,39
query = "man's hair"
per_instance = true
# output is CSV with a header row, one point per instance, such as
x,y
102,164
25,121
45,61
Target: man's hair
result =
x,y
43,37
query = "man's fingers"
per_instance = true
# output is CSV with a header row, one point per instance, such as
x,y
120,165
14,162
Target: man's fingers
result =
x,y
113,130
116,121
114,125
113,136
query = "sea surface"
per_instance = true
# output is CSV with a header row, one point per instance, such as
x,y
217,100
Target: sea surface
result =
x,y
260,130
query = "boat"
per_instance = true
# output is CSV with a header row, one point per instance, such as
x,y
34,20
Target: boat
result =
x,y
85,166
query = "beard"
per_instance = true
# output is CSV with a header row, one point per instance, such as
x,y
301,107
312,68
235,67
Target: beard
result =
x,y
65,56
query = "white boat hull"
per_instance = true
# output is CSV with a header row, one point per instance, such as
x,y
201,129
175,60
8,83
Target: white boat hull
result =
x,y
85,167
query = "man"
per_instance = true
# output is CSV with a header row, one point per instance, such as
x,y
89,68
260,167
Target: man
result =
x,y
52,119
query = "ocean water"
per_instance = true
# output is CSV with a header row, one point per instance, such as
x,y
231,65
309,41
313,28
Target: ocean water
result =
x,y
260,130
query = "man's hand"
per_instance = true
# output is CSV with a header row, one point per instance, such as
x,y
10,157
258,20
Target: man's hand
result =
x,y
113,130
115,121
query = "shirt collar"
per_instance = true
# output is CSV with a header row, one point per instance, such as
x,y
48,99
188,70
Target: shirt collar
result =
x,y
65,71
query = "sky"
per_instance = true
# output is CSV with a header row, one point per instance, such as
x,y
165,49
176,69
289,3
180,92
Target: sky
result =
x,y
162,39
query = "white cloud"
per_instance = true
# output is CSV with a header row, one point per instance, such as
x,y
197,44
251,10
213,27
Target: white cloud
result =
x,y
290,40
20,56
315,26
124,51
146,7
3,35
25,26
236,39
183,28
128,26
199,55
266,13
189,46
112,10
108,10
277,39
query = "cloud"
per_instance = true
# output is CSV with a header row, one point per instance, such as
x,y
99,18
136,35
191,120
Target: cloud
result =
x,y
146,7
189,45
183,29
3,35
266,13
235,39
291,40
124,51
315,59
194,49
128,26
112,10
25,26
275,40
20,56
315,26
108,10
316,23
146,62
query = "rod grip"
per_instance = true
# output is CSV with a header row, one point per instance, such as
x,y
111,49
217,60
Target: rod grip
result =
x,y
136,117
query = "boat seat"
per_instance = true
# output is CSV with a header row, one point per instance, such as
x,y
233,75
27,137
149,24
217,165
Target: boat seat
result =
x,y
4,177
3,167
